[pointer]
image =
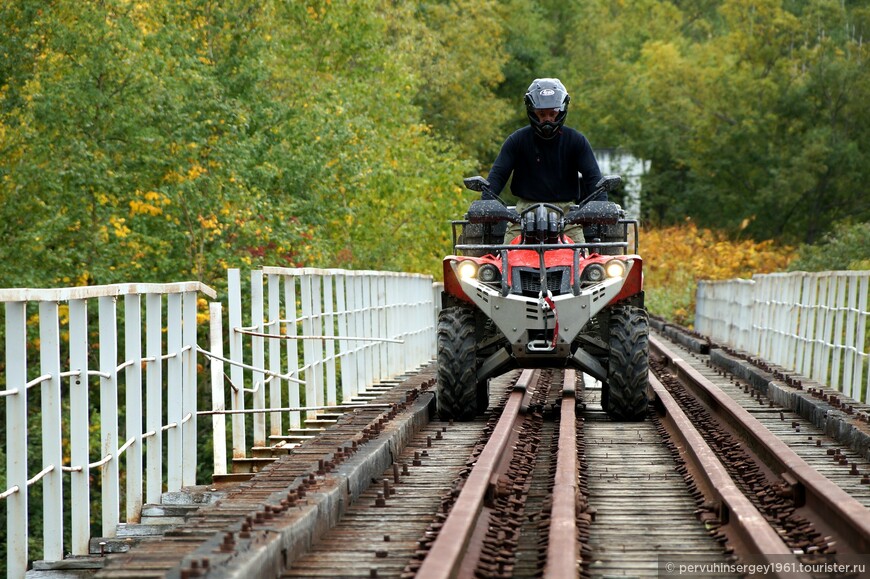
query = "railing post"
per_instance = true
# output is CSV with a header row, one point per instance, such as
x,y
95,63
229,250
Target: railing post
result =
x,y
843,280
736,325
770,298
345,348
52,454
275,385
859,339
188,391
804,321
308,345
17,530
174,399
820,340
700,304
828,347
780,316
258,359
355,328
154,397
79,427
292,315
811,312
428,313
133,412
368,323
762,319
792,298
237,376
755,313
393,326
218,400
380,330
329,345
111,494
316,365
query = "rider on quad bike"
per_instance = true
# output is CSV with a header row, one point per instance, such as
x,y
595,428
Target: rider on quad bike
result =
x,y
538,295
542,300
542,159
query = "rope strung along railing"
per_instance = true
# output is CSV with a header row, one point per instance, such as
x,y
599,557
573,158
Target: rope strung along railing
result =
x,y
60,318
814,324
356,328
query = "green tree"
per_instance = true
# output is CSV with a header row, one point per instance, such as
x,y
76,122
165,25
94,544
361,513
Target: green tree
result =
x,y
750,112
155,141
847,247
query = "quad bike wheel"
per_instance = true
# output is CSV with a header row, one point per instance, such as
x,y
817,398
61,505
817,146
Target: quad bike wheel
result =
x,y
624,396
457,392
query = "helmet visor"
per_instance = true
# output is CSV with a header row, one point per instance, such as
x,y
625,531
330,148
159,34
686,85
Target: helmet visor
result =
x,y
547,115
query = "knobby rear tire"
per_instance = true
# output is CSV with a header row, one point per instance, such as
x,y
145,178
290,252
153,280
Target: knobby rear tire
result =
x,y
456,394
628,371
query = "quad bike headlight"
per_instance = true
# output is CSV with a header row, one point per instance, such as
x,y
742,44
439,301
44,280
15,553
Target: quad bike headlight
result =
x,y
467,269
615,268
488,273
594,273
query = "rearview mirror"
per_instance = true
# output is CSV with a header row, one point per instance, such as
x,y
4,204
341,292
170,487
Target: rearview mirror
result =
x,y
609,183
477,183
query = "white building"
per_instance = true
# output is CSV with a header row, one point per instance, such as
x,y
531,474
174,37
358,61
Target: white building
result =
x,y
632,169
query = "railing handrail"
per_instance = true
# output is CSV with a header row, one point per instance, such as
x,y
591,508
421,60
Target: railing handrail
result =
x,y
98,291
336,332
327,334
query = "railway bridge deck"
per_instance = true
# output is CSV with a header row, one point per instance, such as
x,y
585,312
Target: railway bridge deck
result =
x,y
326,456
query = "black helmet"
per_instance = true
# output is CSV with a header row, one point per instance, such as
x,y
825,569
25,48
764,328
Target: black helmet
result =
x,y
547,93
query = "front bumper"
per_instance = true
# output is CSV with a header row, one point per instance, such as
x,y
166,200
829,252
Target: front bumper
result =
x,y
527,323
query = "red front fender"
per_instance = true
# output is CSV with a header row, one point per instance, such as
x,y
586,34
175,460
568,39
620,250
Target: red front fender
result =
x,y
634,282
451,282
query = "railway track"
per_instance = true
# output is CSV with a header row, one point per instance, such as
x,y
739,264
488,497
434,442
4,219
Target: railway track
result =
x,y
543,485
644,508
830,457
812,513
393,520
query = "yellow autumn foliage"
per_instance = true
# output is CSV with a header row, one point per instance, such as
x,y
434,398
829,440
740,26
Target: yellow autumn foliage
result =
x,y
677,257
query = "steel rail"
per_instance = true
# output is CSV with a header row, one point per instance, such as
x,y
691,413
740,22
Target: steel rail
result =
x,y
563,547
829,504
736,511
448,552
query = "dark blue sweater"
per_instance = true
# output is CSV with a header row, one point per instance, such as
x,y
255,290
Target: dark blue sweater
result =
x,y
546,171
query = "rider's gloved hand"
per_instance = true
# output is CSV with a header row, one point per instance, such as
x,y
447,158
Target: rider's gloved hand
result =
x,y
488,196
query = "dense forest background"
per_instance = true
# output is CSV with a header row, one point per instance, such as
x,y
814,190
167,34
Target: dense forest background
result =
x,y
170,139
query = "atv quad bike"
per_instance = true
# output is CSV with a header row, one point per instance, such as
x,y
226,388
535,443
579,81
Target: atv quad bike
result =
x,y
542,301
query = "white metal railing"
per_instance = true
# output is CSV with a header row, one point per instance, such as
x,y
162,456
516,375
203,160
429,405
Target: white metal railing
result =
x,y
312,340
51,328
301,342
815,324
